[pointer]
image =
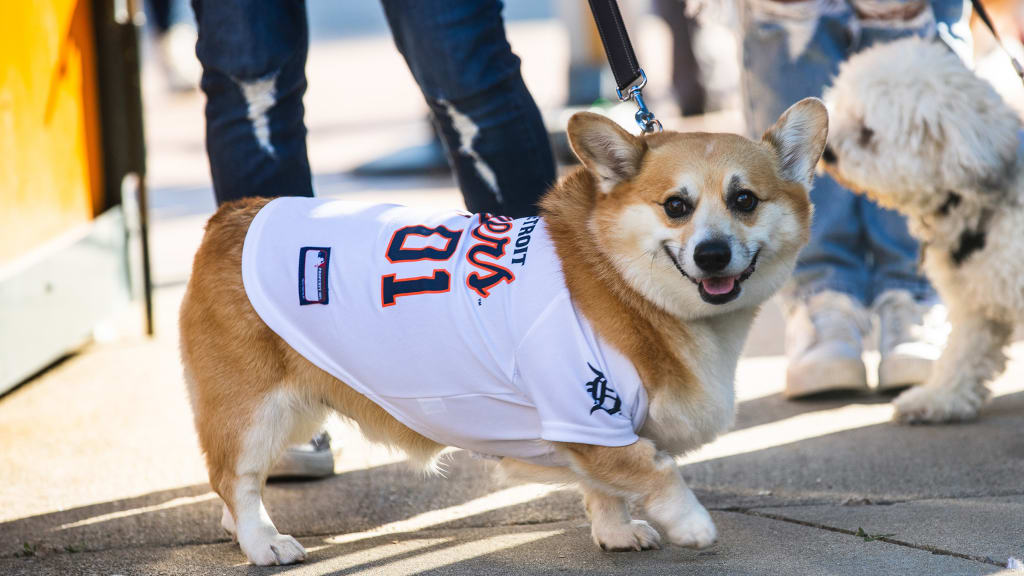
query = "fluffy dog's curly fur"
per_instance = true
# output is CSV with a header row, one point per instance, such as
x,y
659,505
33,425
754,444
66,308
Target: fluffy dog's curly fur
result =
x,y
918,132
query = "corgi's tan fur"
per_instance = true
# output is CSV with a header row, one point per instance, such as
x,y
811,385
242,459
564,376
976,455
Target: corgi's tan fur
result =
x,y
625,227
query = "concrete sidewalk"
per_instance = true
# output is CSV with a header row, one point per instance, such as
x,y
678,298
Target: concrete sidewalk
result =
x,y
101,473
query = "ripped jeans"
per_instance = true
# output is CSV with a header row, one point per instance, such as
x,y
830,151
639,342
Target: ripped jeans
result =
x,y
791,50
254,52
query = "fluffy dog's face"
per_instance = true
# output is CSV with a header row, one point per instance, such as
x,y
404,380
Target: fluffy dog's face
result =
x,y
910,123
703,224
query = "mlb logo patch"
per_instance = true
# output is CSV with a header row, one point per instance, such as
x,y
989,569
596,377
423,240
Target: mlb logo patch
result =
x,y
313,263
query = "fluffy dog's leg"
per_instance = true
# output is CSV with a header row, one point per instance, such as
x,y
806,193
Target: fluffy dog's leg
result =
x,y
640,470
957,386
610,524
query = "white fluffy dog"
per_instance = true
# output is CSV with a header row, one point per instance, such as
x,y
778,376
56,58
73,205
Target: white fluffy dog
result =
x,y
918,132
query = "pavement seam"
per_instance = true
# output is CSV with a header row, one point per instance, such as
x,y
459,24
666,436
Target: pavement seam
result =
x,y
886,539
847,501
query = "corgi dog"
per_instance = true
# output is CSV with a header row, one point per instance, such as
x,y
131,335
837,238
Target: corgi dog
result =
x,y
589,345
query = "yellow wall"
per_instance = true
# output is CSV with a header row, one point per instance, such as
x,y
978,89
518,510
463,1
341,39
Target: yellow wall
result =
x,y
50,157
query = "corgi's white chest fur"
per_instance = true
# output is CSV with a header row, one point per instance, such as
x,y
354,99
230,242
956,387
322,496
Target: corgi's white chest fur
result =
x,y
681,422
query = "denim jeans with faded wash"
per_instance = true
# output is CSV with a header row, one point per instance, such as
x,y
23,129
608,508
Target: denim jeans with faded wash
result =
x,y
792,50
254,52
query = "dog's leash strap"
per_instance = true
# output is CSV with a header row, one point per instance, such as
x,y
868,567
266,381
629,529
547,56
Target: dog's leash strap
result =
x,y
629,77
980,10
616,42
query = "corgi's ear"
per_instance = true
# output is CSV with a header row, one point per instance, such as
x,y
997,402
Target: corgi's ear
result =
x,y
798,138
605,149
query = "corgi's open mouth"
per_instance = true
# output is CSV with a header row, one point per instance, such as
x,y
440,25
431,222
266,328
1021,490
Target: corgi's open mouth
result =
x,y
717,289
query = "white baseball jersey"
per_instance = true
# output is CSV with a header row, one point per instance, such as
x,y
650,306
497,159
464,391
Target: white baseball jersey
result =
x,y
459,325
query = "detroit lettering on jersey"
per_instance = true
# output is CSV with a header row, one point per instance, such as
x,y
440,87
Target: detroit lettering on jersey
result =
x,y
523,240
460,326
487,252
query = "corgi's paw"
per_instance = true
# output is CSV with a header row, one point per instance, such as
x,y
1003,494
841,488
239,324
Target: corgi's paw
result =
x,y
695,530
637,535
227,522
935,405
278,549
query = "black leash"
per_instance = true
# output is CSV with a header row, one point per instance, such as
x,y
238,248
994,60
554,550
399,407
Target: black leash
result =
x,y
991,28
629,76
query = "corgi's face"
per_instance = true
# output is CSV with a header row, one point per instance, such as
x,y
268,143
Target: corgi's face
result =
x,y
702,224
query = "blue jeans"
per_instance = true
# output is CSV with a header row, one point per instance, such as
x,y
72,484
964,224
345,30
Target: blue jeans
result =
x,y
791,51
165,13
253,54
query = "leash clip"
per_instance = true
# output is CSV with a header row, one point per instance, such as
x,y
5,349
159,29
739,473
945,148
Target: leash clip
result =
x,y
644,117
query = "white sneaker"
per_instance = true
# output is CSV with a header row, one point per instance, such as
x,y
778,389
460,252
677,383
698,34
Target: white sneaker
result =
x,y
910,338
313,459
824,343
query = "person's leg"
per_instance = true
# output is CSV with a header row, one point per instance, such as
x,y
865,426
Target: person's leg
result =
x,y
686,73
491,127
912,326
895,253
791,50
160,13
253,54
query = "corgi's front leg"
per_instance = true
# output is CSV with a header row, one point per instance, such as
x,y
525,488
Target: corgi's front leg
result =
x,y
640,470
610,525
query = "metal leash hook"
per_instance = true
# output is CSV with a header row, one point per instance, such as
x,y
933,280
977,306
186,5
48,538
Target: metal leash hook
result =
x,y
644,117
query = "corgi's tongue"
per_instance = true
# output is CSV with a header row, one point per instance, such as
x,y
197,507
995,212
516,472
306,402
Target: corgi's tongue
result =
x,y
718,286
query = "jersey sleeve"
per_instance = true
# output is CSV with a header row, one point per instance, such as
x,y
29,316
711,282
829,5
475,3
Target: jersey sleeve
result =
x,y
564,376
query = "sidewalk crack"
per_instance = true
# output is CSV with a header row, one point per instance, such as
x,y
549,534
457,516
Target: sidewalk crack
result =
x,y
886,539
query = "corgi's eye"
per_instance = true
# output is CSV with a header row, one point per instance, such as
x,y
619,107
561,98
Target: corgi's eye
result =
x,y
745,201
676,207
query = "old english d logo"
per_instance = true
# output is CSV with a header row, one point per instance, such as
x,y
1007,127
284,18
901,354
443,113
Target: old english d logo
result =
x,y
313,264
604,396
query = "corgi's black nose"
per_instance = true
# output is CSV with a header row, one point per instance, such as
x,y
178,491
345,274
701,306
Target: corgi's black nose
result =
x,y
712,255
829,155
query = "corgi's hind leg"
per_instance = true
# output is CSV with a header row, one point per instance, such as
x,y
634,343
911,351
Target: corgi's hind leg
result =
x,y
239,473
227,522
